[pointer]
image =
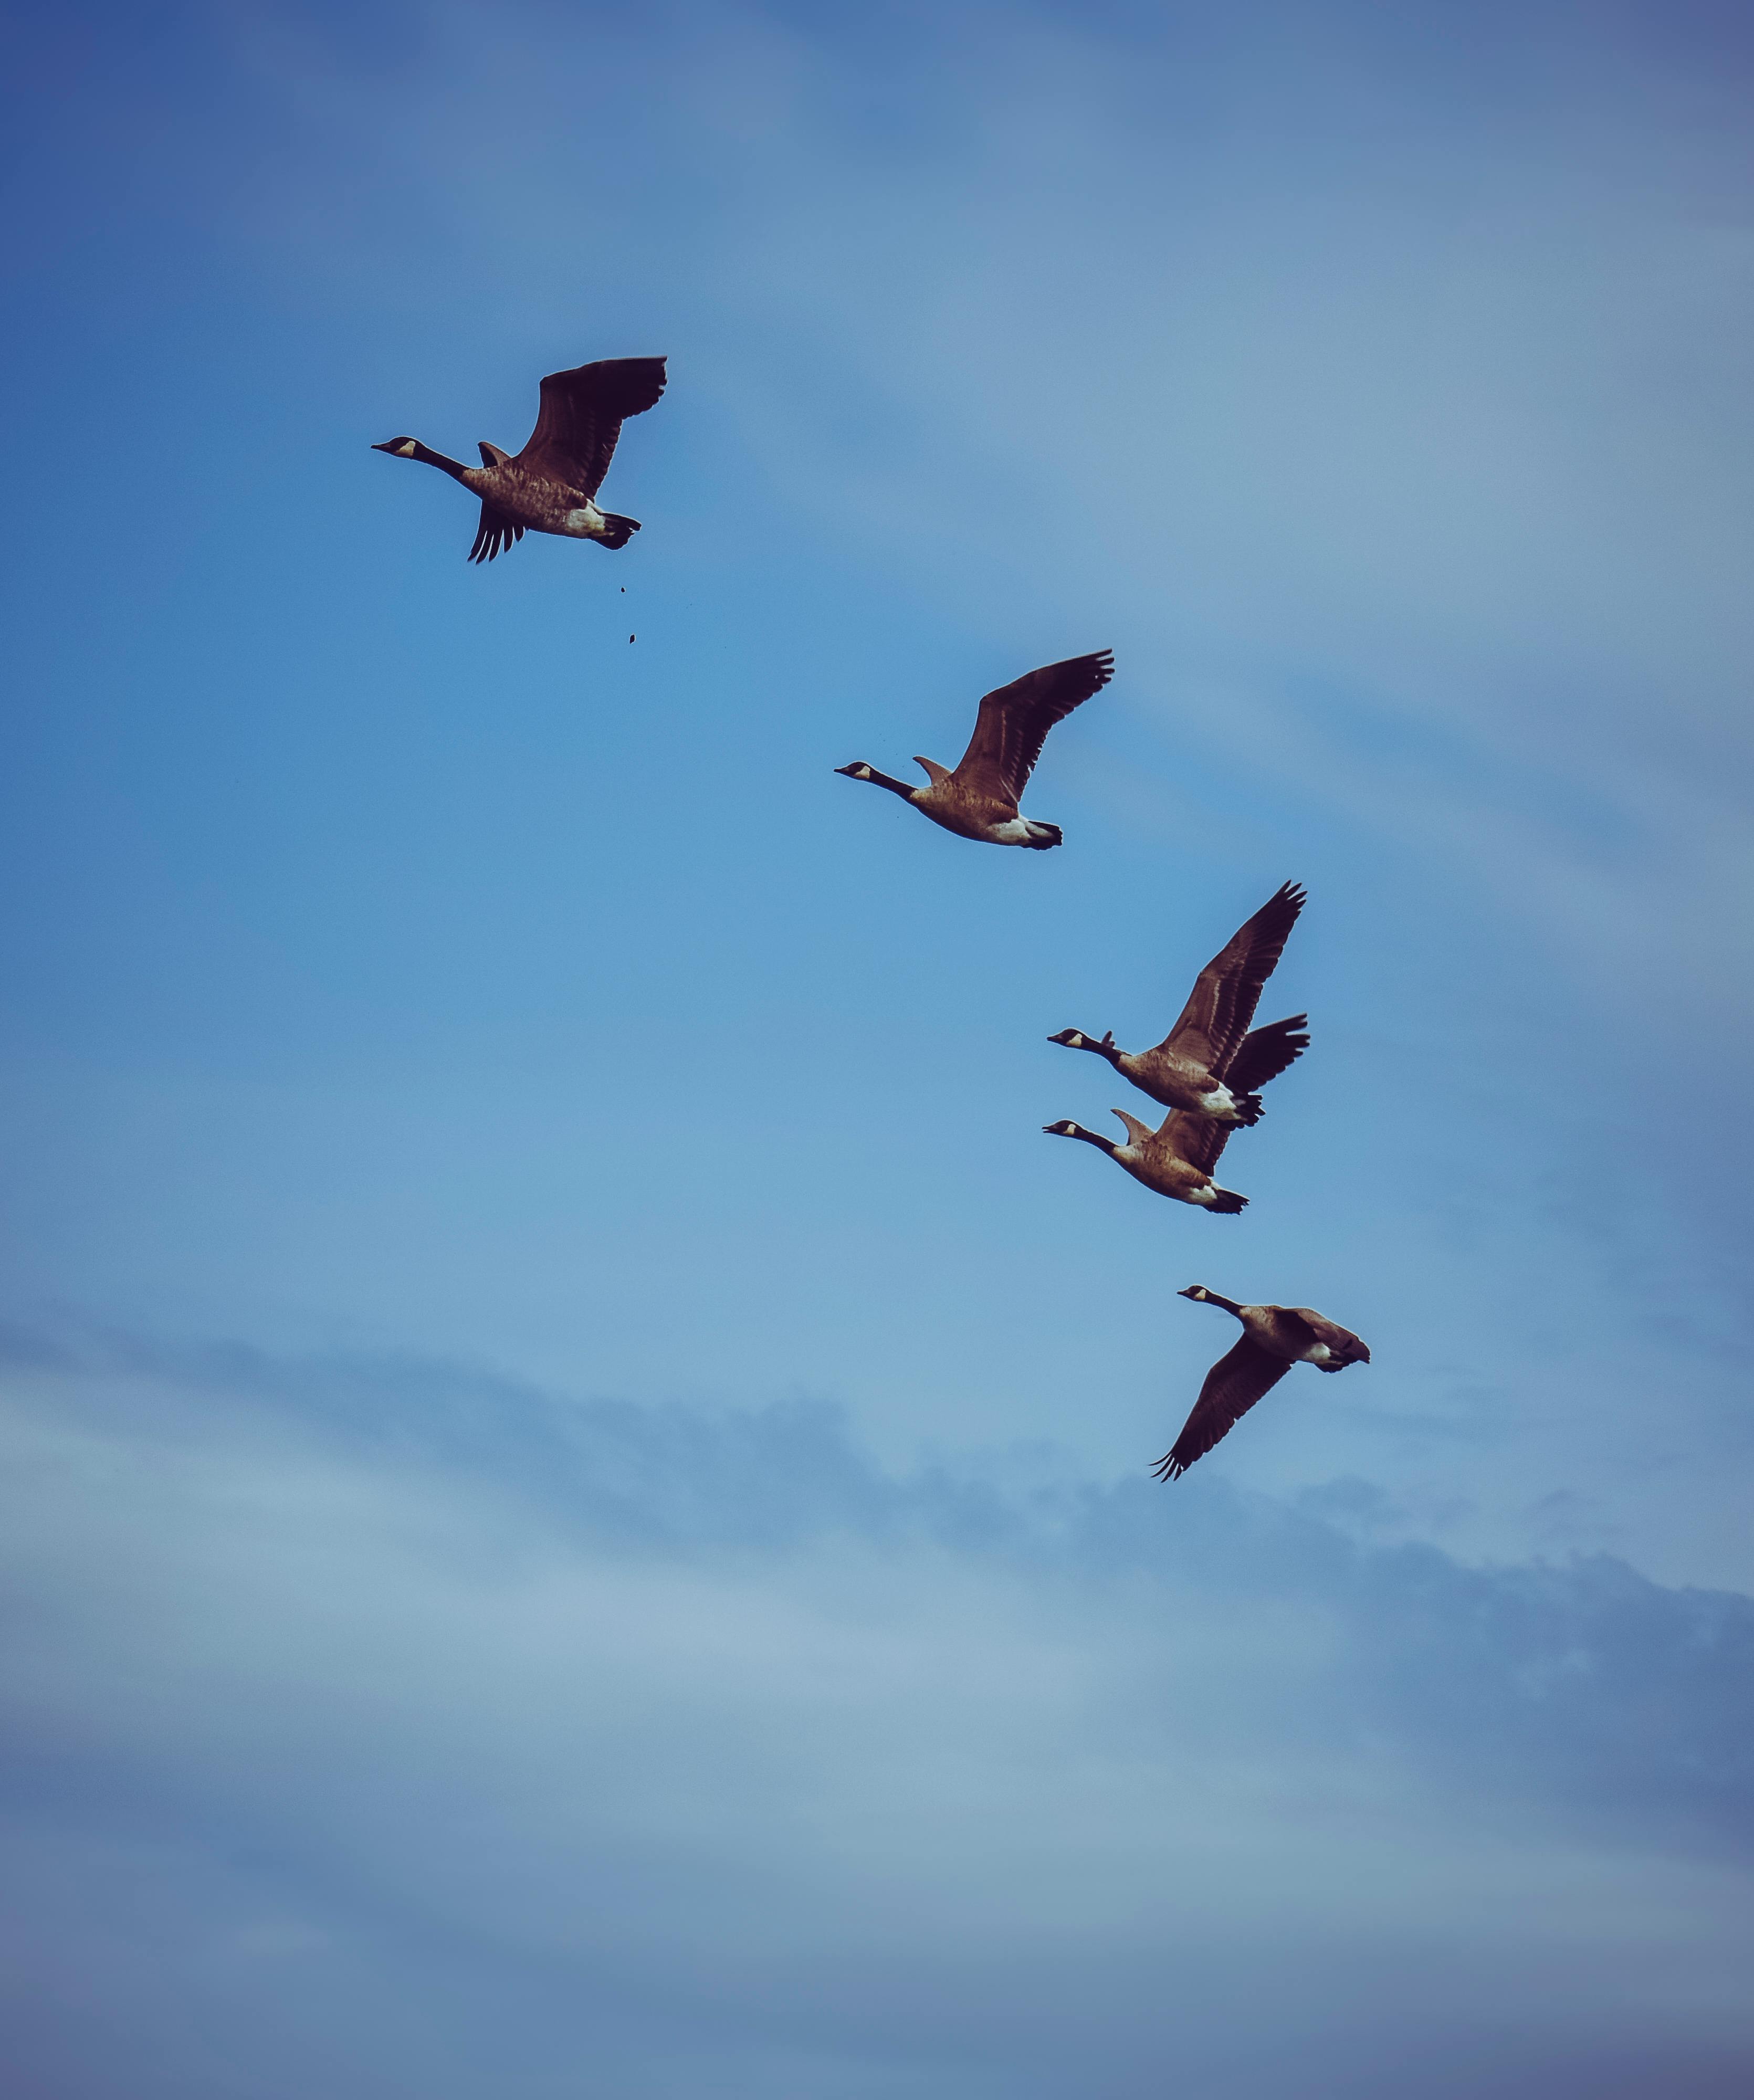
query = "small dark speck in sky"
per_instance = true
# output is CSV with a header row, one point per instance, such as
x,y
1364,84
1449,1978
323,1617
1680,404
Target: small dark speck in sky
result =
x,y
630,637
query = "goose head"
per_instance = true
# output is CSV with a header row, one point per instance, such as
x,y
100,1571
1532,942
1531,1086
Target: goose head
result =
x,y
1065,1128
859,771
1075,1038
1197,1291
402,447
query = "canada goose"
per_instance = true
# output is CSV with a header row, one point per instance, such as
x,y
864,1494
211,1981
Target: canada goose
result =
x,y
980,799
550,486
1176,1160
1274,1338
1208,1063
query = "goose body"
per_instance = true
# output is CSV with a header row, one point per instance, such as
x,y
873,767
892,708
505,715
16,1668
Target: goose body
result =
x,y
1210,1064
1274,1338
1175,1160
551,486
978,798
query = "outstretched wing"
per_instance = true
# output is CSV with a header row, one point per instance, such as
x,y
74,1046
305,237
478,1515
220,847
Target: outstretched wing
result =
x,y
1013,723
1268,1052
1217,1013
1232,1386
1199,1140
496,532
1341,1341
582,413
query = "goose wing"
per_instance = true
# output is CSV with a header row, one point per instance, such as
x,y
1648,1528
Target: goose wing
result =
x,y
1232,1386
494,535
582,413
1199,1140
1014,721
1341,1341
1222,1005
1268,1052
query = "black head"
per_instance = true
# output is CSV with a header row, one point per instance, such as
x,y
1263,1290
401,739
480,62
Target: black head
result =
x,y
402,447
859,770
1063,1128
1071,1038
1197,1291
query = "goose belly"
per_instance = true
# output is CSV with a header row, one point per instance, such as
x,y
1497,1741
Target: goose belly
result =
x,y
1177,1083
539,509
1174,1178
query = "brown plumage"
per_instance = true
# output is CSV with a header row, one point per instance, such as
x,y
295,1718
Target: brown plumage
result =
x,y
1175,1160
1274,1338
978,799
1209,1064
551,485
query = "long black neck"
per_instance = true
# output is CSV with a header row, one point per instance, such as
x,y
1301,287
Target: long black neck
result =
x,y
1107,1048
455,468
1094,1137
1229,1304
901,788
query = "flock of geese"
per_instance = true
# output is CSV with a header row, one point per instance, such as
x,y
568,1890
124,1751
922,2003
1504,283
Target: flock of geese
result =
x,y
1208,1071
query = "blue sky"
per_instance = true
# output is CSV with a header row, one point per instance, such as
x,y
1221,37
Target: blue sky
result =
x,y
576,1464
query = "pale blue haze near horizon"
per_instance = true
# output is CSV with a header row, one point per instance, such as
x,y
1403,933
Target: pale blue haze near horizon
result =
x,y
576,1510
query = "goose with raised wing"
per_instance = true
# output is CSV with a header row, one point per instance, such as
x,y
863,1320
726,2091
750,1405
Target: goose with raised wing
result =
x,y
1210,1063
1274,1338
1175,1160
551,486
978,799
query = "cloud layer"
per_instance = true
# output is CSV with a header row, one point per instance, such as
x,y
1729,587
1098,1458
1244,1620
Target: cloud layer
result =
x,y
382,1727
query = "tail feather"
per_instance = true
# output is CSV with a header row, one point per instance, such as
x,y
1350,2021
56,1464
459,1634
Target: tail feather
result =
x,y
1227,1202
1041,836
620,531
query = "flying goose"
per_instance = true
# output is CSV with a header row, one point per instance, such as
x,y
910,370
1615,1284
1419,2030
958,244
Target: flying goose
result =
x,y
550,485
1274,1338
1208,1063
980,799
1176,1160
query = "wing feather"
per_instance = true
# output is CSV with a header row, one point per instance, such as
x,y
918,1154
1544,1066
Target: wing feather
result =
x,y
1227,991
581,416
1231,1388
1266,1052
1199,1140
1014,721
1340,1340
496,532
